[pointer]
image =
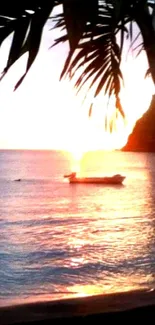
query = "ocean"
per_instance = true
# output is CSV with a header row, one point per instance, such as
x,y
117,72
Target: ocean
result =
x,y
60,240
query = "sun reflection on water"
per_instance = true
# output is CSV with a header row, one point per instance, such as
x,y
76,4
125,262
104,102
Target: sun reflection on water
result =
x,y
65,241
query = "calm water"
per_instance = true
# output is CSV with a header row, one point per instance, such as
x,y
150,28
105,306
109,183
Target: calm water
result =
x,y
61,240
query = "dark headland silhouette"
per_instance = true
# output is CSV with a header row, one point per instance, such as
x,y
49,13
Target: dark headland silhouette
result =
x,y
142,139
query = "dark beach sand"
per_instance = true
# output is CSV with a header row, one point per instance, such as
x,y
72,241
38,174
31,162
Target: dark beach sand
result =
x,y
135,305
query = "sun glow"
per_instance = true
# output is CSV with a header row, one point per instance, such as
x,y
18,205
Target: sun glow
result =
x,y
51,116
92,134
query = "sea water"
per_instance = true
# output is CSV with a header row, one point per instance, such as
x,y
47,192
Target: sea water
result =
x,y
60,240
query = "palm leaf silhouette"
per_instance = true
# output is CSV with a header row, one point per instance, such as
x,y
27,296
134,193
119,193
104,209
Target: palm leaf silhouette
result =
x,y
27,27
100,57
91,28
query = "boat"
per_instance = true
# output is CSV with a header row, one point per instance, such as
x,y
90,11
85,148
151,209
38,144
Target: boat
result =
x,y
113,180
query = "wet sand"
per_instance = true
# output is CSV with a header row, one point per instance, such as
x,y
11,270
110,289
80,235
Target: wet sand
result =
x,y
135,305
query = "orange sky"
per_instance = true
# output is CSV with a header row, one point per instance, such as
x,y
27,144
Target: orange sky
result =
x,y
45,113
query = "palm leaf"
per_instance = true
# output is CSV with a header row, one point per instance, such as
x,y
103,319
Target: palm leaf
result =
x,y
75,20
17,18
37,24
148,73
76,14
34,36
99,55
102,82
59,40
98,73
8,27
18,40
91,29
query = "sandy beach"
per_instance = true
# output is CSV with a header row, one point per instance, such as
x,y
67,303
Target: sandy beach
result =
x,y
135,305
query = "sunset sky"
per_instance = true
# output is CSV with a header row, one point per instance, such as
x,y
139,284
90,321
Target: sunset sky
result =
x,y
44,113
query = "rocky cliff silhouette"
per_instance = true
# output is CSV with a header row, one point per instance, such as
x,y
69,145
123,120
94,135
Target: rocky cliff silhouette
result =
x,y
142,139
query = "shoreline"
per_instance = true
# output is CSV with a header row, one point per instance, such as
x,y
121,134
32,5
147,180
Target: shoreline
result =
x,y
139,304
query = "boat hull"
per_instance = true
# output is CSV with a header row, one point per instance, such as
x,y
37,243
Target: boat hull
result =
x,y
114,180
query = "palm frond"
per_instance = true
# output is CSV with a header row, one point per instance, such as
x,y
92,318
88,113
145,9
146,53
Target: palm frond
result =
x,y
75,18
91,28
18,38
99,59
148,73
27,21
7,28
140,47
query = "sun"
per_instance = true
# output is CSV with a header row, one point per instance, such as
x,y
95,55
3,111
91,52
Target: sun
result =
x,y
92,134
35,118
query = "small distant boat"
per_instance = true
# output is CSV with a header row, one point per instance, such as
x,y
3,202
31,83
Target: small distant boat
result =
x,y
113,180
